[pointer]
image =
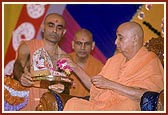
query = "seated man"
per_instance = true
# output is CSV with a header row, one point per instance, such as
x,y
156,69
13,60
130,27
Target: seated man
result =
x,y
124,78
83,45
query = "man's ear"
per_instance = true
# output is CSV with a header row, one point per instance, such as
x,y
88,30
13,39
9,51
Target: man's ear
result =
x,y
64,31
93,45
42,27
73,44
135,40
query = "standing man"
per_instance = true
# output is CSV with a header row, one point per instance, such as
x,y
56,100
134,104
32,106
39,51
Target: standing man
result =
x,y
38,58
83,45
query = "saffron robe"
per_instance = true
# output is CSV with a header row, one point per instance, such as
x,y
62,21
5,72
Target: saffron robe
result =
x,y
34,92
144,70
92,67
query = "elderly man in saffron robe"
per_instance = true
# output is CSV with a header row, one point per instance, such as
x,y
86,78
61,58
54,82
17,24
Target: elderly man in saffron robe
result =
x,y
124,78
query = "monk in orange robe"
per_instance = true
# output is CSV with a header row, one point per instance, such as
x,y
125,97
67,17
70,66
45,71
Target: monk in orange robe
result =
x,y
83,45
40,55
124,78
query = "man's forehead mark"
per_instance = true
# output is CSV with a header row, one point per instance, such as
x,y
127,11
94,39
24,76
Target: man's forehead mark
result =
x,y
56,20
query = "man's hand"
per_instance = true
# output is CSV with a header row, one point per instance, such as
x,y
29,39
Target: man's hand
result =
x,y
69,62
59,88
101,82
26,79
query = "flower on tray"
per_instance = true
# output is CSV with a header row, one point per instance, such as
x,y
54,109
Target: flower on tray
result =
x,y
63,65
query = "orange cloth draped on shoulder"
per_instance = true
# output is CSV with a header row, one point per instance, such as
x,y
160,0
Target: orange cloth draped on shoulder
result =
x,y
93,67
144,70
35,93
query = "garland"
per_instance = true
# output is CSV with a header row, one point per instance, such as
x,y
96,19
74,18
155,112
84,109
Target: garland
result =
x,y
15,95
63,65
10,107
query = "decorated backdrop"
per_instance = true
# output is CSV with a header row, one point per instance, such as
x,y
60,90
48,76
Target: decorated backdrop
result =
x,y
22,22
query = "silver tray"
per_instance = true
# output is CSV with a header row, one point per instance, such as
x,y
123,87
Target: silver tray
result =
x,y
52,78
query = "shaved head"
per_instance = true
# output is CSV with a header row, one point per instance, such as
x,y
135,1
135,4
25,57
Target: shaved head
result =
x,y
134,28
53,28
55,15
83,32
130,38
83,43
